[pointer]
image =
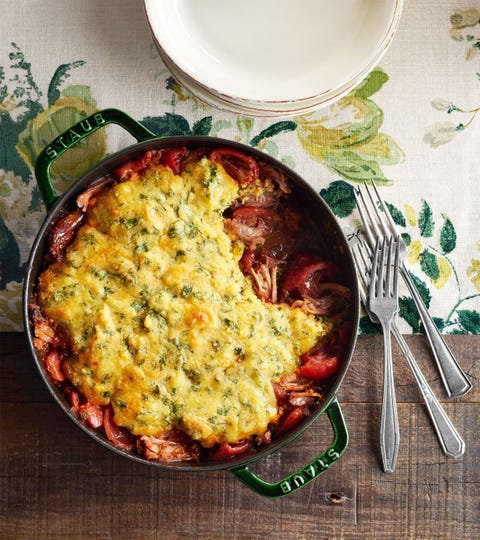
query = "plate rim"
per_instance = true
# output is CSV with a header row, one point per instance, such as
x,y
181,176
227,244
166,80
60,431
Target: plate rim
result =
x,y
250,101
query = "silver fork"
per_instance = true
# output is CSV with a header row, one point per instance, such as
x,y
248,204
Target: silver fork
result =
x,y
450,441
383,302
378,222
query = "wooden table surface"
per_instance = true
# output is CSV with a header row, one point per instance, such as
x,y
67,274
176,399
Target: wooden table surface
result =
x,y
57,483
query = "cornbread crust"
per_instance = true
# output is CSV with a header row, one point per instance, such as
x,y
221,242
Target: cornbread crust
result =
x,y
163,325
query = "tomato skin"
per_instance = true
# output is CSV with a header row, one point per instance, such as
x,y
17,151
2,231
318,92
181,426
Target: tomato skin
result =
x,y
305,273
133,166
120,437
247,261
242,168
291,419
62,233
91,414
258,220
230,450
316,367
72,396
53,363
253,215
173,158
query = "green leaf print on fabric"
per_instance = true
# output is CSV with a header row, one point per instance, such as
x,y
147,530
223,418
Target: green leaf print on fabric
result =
x,y
273,130
407,308
171,124
428,263
353,167
422,289
371,84
408,312
9,256
406,238
366,326
428,249
19,95
448,236
469,321
61,74
203,126
339,197
11,161
425,221
397,216
167,125
345,137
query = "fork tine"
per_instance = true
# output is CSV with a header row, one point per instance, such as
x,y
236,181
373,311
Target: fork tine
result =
x,y
369,225
396,262
385,229
387,260
382,256
385,210
362,270
374,270
367,263
450,441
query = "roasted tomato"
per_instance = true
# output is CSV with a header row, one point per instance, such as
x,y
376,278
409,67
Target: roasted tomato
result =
x,y
134,166
258,220
119,436
242,168
316,367
247,261
62,233
53,363
305,275
230,450
252,215
290,420
173,158
73,397
250,224
91,414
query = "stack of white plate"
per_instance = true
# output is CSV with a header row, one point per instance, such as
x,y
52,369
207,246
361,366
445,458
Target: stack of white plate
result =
x,y
271,57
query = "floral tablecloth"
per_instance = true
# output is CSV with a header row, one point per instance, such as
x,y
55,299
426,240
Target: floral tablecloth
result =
x,y
413,125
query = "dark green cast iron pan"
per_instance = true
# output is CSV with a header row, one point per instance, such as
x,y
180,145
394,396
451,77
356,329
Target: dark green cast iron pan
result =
x,y
329,235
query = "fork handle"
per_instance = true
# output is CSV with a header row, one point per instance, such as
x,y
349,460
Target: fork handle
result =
x,y
454,379
450,441
389,430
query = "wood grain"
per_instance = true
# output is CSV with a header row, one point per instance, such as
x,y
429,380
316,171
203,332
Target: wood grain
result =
x,y
57,483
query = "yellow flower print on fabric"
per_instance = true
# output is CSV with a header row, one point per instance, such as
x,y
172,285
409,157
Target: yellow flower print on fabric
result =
x,y
473,271
444,271
345,137
414,250
410,215
73,106
11,307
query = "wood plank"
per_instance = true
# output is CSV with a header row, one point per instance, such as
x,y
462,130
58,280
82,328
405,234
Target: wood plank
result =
x,y
55,482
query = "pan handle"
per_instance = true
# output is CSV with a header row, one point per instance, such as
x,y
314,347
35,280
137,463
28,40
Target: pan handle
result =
x,y
74,135
306,474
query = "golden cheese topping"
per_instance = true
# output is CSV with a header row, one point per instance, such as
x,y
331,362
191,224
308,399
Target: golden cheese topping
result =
x,y
163,324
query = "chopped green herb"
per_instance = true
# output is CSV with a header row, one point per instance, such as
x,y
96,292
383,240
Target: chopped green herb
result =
x,y
187,289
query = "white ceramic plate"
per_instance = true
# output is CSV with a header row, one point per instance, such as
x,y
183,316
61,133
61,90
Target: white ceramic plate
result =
x,y
271,111
272,51
264,109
